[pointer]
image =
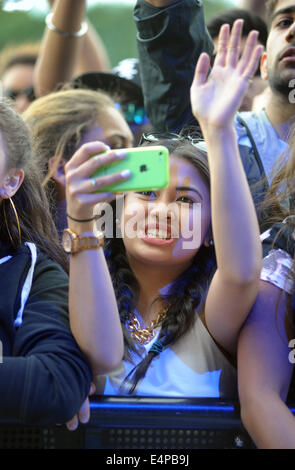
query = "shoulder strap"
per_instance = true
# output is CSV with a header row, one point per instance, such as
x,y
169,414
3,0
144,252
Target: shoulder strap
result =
x,y
254,146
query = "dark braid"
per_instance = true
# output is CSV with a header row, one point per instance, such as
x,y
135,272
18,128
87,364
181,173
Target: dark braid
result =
x,y
187,295
124,282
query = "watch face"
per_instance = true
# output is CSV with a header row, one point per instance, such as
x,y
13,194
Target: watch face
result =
x,y
67,242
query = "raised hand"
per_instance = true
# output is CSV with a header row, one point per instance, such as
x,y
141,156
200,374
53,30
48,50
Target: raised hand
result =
x,y
215,98
81,188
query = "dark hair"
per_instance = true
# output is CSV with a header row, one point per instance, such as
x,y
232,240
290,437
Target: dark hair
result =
x,y
186,294
30,200
18,54
27,59
251,21
270,7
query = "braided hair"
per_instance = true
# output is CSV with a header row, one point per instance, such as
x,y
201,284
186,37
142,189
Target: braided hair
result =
x,y
186,295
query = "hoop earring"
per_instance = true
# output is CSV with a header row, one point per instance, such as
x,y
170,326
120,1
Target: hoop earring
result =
x,y
17,221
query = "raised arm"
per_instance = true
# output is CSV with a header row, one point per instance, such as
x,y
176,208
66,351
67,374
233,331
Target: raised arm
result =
x,y
93,56
215,100
94,315
63,55
171,36
264,371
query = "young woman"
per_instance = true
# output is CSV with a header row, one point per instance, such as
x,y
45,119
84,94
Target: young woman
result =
x,y
154,281
60,123
44,378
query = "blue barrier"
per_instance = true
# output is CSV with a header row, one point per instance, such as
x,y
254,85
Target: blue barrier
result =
x,y
140,423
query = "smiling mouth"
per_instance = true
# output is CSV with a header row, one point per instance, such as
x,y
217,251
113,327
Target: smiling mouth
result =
x,y
156,233
159,234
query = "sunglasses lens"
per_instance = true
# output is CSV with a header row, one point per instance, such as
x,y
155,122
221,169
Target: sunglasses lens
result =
x,y
13,94
155,137
29,92
133,114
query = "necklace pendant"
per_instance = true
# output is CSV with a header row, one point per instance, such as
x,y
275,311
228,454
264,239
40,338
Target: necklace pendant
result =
x,y
144,335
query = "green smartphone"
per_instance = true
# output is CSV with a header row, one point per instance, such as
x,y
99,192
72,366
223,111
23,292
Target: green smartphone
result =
x,y
149,168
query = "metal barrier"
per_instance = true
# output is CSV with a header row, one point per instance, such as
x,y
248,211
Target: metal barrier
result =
x,y
140,423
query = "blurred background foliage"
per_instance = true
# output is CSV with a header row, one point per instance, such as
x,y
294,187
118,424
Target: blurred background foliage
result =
x,y
113,22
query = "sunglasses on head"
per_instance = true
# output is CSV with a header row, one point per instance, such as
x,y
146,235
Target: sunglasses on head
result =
x,y
156,136
133,113
13,94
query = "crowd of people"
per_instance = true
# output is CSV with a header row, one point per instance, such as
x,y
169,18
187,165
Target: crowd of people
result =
x,y
155,314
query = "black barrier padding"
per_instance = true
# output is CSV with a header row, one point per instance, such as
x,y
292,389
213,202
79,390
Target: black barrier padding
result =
x,y
140,423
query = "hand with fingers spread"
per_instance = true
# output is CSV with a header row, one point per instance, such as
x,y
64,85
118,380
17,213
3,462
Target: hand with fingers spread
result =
x,y
81,187
216,98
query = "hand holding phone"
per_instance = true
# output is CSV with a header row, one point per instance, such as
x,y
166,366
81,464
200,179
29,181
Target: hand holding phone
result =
x,y
149,168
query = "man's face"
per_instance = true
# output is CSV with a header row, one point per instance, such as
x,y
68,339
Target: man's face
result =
x,y
278,64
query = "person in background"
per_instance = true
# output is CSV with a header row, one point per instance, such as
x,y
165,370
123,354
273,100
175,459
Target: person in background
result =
x,y
262,136
251,22
17,63
44,378
17,74
256,6
60,123
123,84
61,44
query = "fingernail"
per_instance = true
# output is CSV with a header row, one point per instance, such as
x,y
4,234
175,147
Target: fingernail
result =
x,y
84,419
125,173
120,154
107,148
73,427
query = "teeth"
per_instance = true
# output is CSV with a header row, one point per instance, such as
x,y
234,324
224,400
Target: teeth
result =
x,y
156,234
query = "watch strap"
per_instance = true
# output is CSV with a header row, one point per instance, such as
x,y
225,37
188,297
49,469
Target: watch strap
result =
x,y
74,243
87,243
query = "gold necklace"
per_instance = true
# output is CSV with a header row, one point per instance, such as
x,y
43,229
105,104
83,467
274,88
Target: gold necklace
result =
x,y
144,335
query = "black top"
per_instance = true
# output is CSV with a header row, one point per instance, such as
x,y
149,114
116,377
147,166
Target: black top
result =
x,y
44,378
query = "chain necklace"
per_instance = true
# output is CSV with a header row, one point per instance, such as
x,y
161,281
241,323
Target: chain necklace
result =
x,y
144,335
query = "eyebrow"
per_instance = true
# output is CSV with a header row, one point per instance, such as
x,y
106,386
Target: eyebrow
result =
x,y
282,12
188,188
122,138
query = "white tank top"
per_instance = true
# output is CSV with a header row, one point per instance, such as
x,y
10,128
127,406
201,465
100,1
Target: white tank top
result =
x,y
194,366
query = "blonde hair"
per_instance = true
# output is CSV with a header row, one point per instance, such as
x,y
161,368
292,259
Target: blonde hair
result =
x,y
58,122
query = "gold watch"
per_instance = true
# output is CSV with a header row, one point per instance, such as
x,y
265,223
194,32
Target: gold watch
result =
x,y
73,243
